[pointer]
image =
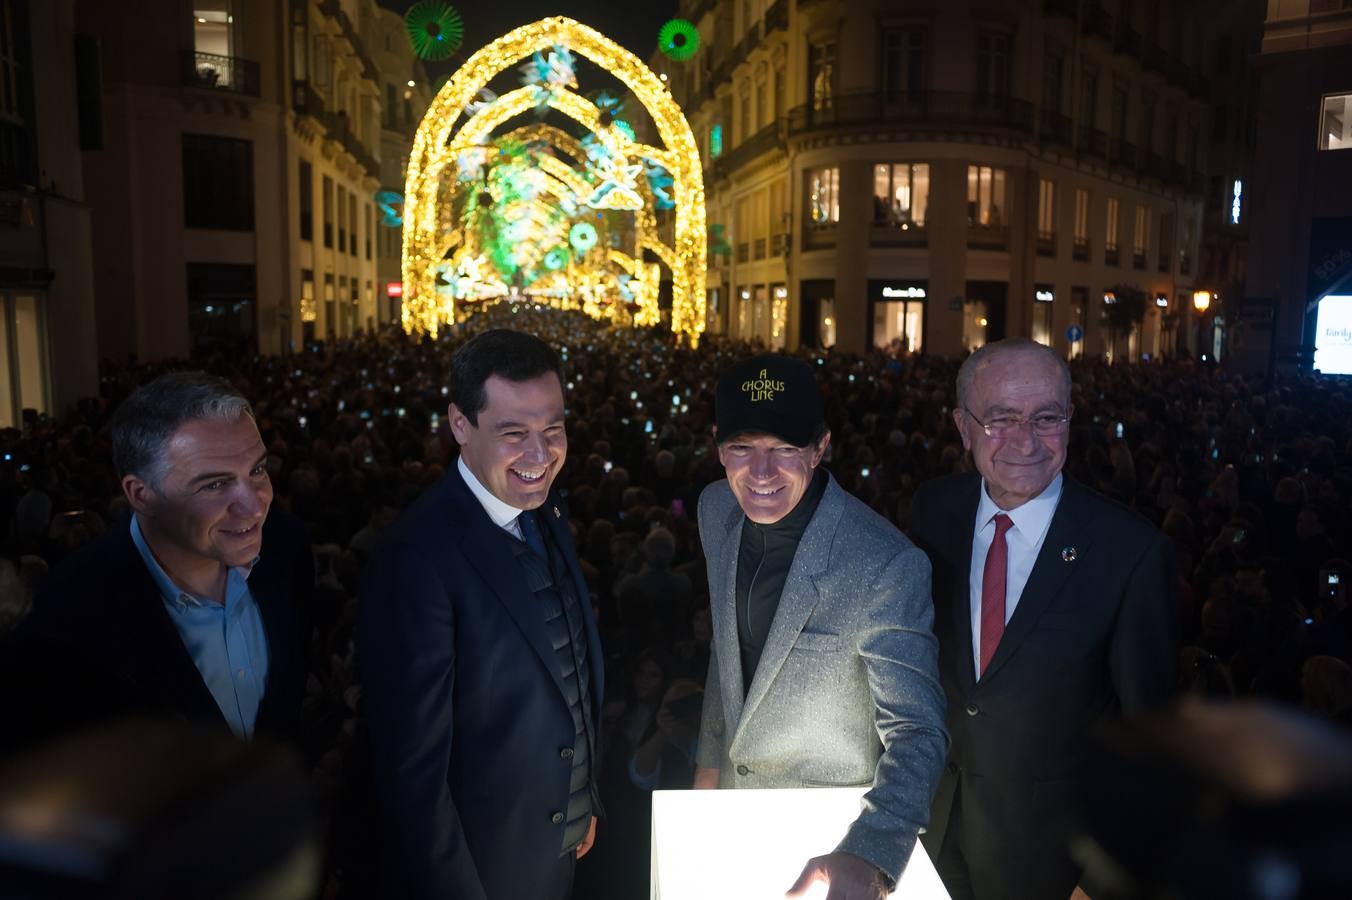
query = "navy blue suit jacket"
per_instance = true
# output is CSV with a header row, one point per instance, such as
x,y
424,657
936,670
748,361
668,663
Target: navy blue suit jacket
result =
x,y
100,645
471,735
1093,637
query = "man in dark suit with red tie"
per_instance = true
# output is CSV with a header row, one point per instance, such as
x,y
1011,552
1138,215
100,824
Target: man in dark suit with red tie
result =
x,y
1053,608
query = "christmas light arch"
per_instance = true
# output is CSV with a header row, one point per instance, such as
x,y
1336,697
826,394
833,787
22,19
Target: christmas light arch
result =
x,y
460,121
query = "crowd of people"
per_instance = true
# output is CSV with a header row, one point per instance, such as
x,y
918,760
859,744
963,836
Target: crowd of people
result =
x,y
1250,482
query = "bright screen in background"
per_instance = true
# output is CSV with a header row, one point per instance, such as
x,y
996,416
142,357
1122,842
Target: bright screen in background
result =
x,y
1333,336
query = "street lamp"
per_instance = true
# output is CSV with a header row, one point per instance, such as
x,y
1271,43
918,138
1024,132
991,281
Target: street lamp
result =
x,y
1201,301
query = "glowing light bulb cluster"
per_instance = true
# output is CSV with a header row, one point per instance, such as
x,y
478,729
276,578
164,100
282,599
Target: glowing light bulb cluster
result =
x,y
490,215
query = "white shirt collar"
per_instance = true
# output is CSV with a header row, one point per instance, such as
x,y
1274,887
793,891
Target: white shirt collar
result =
x,y
1031,518
502,514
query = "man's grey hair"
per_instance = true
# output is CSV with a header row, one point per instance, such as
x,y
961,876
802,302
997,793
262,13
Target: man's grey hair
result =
x,y
985,355
146,421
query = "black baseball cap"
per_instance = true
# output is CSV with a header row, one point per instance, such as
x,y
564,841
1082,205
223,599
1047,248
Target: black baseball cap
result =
x,y
771,394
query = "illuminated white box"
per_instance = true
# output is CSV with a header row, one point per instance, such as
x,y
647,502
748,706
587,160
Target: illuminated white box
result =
x,y
752,845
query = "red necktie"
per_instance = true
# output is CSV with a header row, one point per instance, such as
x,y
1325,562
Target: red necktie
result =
x,y
993,592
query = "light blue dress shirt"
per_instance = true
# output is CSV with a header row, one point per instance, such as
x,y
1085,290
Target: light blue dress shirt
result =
x,y
225,640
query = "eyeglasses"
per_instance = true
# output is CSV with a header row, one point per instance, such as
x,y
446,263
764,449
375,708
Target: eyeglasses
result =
x,y
1044,424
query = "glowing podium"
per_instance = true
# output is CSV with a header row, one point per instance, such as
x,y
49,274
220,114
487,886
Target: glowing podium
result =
x,y
753,844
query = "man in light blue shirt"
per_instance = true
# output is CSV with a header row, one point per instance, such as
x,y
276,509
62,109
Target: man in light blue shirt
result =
x,y
194,609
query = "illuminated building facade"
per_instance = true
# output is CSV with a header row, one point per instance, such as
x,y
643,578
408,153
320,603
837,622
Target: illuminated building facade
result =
x,y
931,176
1301,229
234,196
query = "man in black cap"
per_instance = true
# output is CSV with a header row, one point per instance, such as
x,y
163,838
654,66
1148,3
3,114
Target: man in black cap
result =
x,y
824,668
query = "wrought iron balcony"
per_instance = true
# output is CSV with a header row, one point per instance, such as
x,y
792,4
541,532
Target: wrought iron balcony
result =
x,y
1097,22
1068,8
777,16
220,73
1046,243
1093,142
951,108
1080,250
1127,41
1112,256
1055,128
988,237
761,142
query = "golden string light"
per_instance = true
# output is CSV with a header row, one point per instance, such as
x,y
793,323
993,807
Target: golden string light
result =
x,y
460,122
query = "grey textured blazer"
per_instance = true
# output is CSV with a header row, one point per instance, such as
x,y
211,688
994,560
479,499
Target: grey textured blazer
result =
x,y
847,690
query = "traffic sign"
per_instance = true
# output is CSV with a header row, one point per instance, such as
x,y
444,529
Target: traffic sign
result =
x,y
1074,334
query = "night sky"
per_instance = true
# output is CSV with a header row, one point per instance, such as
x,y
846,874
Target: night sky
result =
x,y
632,24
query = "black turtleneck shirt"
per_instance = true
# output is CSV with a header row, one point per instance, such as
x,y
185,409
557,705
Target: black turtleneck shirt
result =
x,y
763,562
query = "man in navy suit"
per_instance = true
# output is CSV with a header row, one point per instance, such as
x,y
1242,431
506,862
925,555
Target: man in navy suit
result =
x,y
479,652
195,607
1054,610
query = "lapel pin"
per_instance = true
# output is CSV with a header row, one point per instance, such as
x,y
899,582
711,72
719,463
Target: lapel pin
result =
x,y
557,514
1068,554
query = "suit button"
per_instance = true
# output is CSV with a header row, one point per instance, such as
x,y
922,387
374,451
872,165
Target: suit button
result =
x,y
566,753
743,770
952,768
972,709
557,818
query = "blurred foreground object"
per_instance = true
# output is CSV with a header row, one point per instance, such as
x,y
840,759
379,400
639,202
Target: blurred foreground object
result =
x,y
1241,800
152,810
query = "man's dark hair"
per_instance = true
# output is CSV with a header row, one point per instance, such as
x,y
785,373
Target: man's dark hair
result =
x,y
144,423
513,355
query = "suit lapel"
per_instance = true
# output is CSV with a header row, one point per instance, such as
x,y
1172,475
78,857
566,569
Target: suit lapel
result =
x,y
1068,529
725,622
961,527
799,597
160,654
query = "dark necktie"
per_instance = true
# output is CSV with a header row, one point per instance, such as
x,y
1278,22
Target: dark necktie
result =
x,y
993,592
530,533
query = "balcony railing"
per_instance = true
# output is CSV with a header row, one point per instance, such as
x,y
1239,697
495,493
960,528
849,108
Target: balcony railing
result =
x,y
758,248
893,234
1156,59
1112,256
763,141
780,243
1055,128
1067,8
1127,41
220,73
1165,261
777,16
988,237
1093,142
1184,264
952,108
743,252
1138,259
1046,243
306,101
16,155
1080,250
1122,153
1097,22
819,236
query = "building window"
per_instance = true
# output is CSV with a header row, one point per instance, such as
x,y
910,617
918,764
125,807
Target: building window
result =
x,y
330,307
342,218
903,58
221,307
1185,248
1043,300
1140,236
1053,69
1166,258
1335,124
1147,131
900,194
370,228
327,201
352,223
23,355
745,124
985,196
992,66
217,183
781,92
821,74
1088,98
762,107
1110,246
823,196
1081,225
1046,218
1118,125
9,69
307,201
391,107
213,31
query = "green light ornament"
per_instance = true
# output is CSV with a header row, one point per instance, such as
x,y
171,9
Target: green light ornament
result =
x,y
556,259
435,29
678,39
582,236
